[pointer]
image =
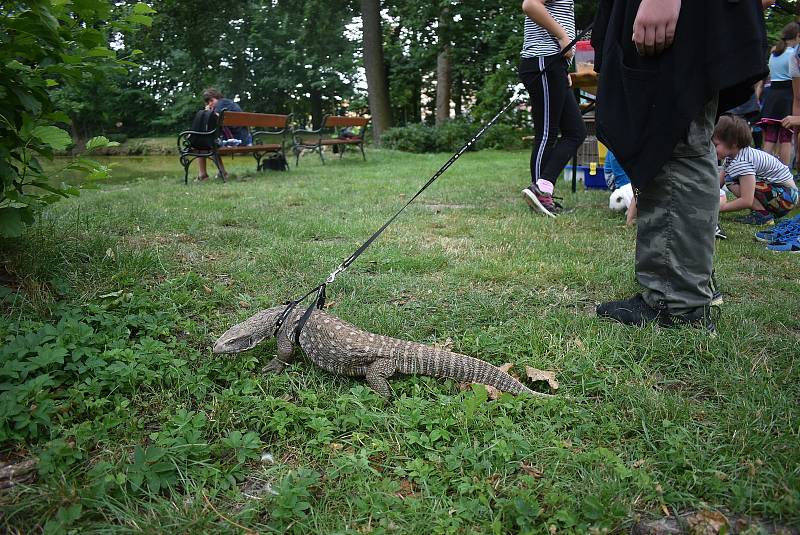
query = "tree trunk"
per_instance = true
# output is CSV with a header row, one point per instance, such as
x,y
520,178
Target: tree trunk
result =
x,y
458,95
416,101
443,86
316,107
377,81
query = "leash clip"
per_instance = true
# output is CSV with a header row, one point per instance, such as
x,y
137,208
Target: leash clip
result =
x,y
332,276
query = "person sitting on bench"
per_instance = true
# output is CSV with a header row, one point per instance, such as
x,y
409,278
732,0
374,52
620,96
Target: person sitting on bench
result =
x,y
215,100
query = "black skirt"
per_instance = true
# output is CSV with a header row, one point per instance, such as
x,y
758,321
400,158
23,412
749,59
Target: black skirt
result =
x,y
778,100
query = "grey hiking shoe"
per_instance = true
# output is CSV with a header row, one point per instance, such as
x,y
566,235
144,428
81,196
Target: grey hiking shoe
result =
x,y
635,311
700,318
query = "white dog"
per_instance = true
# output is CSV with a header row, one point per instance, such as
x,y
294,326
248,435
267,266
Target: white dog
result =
x,y
621,198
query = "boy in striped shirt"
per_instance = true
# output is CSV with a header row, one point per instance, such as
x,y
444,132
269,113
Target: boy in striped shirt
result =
x,y
760,181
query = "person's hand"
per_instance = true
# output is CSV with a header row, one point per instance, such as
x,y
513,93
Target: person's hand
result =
x,y
564,41
791,121
654,26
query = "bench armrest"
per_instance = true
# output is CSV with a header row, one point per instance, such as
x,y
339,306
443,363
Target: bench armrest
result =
x,y
298,135
184,144
259,133
306,131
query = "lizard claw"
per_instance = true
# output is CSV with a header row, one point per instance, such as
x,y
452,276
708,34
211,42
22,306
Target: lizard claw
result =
x,y
274,366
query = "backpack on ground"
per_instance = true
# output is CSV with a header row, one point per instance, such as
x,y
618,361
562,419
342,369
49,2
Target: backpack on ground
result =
x,y
204,121
275,163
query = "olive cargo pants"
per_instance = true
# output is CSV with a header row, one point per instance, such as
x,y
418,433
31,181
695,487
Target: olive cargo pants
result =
x,y
677,217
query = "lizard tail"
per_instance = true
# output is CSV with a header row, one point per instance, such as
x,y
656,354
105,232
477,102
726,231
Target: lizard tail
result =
x,y
461,368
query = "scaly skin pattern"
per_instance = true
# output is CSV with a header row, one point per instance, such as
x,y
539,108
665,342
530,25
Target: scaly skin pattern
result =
x,y
341,348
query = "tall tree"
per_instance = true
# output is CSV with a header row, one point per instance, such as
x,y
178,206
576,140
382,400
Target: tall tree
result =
x,y
377,81
443,78
443,70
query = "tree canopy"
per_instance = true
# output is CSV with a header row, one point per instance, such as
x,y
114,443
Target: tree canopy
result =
x,y
304,57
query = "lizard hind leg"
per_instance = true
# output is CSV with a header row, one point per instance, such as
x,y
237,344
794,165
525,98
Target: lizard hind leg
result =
x,y
377,374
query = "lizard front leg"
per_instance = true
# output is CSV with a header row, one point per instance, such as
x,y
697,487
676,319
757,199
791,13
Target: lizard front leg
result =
x,y
286,354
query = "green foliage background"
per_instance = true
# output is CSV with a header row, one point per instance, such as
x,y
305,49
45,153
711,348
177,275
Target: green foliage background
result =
x,y
46,45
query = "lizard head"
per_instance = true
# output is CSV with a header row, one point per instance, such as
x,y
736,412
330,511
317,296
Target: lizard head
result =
x,y
249,333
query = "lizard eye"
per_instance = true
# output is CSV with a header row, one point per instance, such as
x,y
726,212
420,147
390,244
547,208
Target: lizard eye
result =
x,y
243,341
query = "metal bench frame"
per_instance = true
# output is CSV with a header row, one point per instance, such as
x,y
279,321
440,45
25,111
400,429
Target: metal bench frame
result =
x,y
315,140
276,126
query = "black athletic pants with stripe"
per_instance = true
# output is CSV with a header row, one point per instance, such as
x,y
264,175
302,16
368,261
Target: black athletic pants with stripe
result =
x,y
555,111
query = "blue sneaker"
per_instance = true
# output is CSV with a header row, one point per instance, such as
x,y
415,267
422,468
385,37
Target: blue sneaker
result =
x,y
786,228
788,246
757,219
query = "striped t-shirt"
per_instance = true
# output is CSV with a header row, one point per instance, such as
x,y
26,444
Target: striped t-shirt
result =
x,y
538,41
765,167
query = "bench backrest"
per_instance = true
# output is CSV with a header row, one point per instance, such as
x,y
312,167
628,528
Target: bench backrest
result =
x,y
256,120
341,121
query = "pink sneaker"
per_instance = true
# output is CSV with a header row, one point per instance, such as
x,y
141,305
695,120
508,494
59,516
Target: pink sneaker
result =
x,y
540,201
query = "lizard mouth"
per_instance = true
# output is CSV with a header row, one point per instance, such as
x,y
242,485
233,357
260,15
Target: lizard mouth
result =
x,y
233,346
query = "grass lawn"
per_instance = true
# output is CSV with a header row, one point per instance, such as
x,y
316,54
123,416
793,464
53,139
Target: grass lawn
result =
x,y
117,297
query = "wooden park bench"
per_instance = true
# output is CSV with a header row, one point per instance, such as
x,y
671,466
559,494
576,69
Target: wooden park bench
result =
x,y
328,135
269,137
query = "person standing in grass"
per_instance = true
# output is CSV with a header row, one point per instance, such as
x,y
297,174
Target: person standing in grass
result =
x,y
549,29
760,181
778,97
665,68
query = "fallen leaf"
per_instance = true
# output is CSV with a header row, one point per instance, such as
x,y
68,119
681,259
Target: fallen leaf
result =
x,y
111,294
110,253
403,299
707,523
244,304
552,529
406,489
541,375
638,464
206,289
335,446
329,304
664,510
531,471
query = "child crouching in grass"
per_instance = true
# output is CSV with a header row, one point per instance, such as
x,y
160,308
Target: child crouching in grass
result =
x,y
760,181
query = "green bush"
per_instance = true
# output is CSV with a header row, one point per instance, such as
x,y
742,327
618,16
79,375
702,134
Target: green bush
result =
x,y
411,138
49,45
503,136
453,134
118,138
450,137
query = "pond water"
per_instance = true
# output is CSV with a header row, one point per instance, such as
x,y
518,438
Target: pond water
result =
x,y
131,168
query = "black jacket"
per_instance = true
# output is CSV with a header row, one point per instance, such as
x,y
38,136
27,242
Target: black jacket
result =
x,y
645,104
